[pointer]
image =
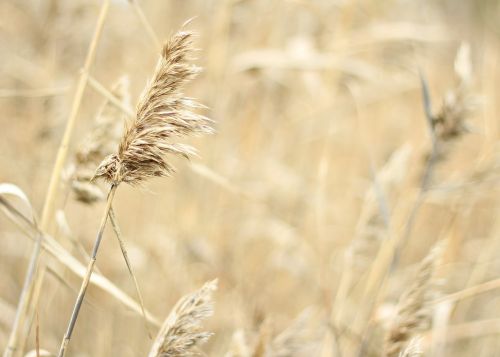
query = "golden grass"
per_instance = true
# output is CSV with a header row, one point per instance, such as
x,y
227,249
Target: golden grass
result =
x,y
327,183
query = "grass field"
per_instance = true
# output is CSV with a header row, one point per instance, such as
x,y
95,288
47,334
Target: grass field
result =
x,y
341,212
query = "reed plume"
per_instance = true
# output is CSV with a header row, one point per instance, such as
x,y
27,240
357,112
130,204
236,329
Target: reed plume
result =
x,y
163,113
413,349
414,312
181,332
451,120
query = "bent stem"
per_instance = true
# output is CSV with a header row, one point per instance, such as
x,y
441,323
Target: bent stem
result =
x,y
23,299
116,229
88,274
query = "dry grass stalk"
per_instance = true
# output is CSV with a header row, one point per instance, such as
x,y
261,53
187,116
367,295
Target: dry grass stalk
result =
x,y
99,143
121,241
181,332
102,140
162,113
414,309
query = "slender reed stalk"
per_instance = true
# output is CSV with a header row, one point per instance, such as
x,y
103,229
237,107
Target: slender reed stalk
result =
x,y
447,125
163,113
28,281
144,21
88,274
100,142
116,229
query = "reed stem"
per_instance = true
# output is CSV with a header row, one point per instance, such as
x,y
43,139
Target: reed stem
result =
x,y
88,274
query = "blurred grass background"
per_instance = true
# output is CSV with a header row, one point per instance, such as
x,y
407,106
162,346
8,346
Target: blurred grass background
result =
x,y
310,98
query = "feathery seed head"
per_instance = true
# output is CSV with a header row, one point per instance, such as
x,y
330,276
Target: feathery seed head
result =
x,y
413,348
163,113
181,331
414,313
459,103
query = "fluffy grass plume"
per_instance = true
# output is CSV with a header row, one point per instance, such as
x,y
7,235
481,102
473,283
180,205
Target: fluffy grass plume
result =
x,y
163,113
450,122
413,349
414,314
181,331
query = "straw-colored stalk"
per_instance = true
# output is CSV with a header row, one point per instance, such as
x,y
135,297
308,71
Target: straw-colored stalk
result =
x,y
101,141
163,113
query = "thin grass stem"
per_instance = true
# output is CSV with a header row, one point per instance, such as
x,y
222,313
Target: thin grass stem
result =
x,y
116,229
88,274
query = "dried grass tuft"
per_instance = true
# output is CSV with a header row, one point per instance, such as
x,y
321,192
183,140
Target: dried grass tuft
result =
x,y
163,113
414,311
459,104
181,331
413,349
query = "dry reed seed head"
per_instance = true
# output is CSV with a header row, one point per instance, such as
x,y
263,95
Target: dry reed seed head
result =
x,y
413,348
450,123
414,313
459,104
181,332
101,141
163,113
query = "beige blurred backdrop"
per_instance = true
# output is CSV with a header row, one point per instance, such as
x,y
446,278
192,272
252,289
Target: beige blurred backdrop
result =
x,y
319,119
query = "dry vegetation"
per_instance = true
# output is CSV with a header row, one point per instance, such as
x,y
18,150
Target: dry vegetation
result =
x,y
347,205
